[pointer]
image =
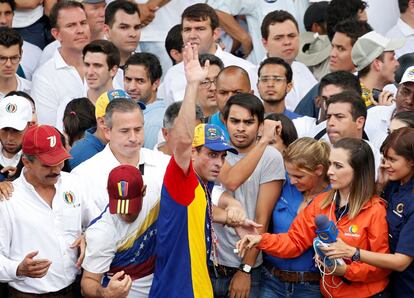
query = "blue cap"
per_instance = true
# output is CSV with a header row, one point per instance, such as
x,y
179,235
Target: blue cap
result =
x,y
212,137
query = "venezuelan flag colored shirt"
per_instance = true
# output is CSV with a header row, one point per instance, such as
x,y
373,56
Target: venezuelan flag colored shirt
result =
x,y
183,237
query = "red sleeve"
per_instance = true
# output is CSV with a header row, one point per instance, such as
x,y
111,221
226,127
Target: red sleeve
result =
x,y
299,237
179,185
378,242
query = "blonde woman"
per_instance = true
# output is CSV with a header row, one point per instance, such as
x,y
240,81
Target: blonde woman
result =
x,y
306,162
358,213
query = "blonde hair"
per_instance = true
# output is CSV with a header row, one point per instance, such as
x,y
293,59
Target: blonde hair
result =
x,y
307,153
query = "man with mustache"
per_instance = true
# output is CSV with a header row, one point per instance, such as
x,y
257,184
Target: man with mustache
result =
x,y
41,225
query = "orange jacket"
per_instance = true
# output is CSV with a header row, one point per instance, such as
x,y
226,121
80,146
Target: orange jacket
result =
x,y
367,231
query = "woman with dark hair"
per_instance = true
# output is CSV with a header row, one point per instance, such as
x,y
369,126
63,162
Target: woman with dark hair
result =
x,y
79,115
358,214
398,151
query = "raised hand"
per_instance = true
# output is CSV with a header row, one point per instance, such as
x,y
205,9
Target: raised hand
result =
x,y
194,72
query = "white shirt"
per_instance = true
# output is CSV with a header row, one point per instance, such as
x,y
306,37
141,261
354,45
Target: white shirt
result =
x,y
49,51
27,224
375,150
378,121
303,80
22,85
9,162
55,83
304,126
174,82
110,234
402,29
25,17
255,11
95,172
30,59
382,15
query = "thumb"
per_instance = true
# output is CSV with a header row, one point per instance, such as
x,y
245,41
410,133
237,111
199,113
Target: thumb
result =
x,y
250,222
75,243
32,254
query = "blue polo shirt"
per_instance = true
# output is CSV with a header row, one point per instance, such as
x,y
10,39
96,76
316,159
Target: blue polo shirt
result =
x,y
400,218
291,115
85,148
283,215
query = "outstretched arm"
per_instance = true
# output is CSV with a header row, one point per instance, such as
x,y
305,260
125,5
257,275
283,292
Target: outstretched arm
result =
x,y
183,131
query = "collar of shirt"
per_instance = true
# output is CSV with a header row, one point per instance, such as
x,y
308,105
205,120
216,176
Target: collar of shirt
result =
x,y
59,61
406,29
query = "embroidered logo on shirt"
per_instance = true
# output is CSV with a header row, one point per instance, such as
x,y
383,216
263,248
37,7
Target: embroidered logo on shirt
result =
x,y
353,231
11,108
400,208
69,197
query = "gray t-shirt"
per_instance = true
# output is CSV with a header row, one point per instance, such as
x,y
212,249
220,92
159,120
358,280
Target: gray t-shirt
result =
x,y
269,168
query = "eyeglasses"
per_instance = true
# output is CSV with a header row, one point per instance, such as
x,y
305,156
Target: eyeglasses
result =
x,y
13,59
207,83
276,79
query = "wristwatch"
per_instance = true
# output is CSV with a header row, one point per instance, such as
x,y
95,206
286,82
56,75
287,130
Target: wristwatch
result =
x,y
357,256
245,268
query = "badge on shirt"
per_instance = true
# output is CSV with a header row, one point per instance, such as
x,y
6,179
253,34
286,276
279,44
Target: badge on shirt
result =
x,y
69,197
399,209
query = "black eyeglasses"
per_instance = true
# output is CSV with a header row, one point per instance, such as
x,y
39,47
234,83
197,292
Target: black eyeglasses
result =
x,y
207,83
13,59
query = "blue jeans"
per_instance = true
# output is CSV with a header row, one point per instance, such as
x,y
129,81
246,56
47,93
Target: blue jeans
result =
x,y
221,284
273,287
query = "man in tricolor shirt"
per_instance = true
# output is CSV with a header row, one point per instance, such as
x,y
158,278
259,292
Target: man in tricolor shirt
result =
x,y
119,259
185,237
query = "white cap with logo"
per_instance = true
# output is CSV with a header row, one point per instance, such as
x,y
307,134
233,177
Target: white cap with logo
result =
x,y
15,112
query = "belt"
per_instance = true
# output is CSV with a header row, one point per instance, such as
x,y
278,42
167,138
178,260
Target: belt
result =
x,y
222,271
293,276
69,289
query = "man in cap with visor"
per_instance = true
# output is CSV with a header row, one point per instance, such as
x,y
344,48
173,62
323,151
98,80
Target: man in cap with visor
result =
x,y
41,225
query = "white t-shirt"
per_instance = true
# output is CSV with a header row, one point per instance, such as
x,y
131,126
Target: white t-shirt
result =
x,y
28,223
378,121
95,172
55,83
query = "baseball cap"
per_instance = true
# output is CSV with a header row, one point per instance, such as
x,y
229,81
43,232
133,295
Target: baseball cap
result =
x,y
44,142
15,112
104,99
370,45
125,190
314,48
315,13
212,137
408,75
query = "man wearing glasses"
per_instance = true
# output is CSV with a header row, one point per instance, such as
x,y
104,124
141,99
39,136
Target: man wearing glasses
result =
x,y
10,53
275,81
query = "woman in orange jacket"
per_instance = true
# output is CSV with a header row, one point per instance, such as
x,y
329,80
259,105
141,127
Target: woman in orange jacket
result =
x,y
358,213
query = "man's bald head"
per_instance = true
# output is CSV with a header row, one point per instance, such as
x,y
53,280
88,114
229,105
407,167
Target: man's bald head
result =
x,y
231,80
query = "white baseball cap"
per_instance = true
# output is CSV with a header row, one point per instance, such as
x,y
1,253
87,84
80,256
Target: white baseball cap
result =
x,y
408,75
15,112
370,46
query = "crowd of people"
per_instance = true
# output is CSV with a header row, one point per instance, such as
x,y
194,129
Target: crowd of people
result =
x,y
184,148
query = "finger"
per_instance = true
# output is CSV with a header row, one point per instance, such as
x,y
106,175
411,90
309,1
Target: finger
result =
x,y
129,283
206,64
195,52
118,275
39,272
76,243
40,266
